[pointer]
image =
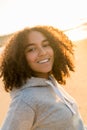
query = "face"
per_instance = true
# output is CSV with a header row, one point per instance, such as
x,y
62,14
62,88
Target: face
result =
x,y
39,54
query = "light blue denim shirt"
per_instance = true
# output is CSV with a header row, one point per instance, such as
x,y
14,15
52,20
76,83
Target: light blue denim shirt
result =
x,y
42,105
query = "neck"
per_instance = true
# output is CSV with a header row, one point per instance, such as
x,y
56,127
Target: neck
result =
x,y
41,75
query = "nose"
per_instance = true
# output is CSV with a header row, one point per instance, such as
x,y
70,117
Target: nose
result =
x,y
42,51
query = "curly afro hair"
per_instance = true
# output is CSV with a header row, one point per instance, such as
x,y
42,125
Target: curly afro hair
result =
x,y
14,68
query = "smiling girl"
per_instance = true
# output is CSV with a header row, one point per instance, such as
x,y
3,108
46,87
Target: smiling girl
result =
x,y
35,63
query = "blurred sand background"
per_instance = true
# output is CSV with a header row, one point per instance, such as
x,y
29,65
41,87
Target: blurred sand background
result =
x,y
76,84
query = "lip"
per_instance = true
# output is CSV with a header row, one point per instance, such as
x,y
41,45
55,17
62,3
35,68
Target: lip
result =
x,y
44,61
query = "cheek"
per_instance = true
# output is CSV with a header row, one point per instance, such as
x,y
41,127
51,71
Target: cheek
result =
x,y
51,52
30,58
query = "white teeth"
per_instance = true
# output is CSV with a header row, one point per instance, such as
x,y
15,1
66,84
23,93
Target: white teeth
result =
x,y
43,61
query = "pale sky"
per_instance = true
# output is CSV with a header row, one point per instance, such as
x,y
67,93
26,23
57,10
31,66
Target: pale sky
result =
x,y
17,14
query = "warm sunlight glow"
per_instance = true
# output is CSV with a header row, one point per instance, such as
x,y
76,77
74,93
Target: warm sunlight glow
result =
x,y
17,14
67,15
77,34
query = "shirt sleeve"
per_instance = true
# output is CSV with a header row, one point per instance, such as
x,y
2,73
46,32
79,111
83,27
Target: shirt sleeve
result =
x,y
20,116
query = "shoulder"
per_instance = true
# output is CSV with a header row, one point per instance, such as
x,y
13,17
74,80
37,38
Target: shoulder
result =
x,y
31,96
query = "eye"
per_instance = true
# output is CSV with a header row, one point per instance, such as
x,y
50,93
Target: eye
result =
x,y
30,49
46,44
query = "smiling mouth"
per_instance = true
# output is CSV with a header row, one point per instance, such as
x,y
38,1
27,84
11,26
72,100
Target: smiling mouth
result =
x,y
43,61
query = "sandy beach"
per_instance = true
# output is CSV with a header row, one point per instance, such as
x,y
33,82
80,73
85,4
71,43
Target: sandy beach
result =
x,y
76,84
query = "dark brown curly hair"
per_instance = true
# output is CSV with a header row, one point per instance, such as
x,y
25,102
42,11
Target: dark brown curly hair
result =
x,y
14,68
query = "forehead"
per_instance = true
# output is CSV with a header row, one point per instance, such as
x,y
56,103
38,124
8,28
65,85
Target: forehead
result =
x,y
35,36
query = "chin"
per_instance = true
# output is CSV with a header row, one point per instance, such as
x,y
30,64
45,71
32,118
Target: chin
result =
x,y
47,72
